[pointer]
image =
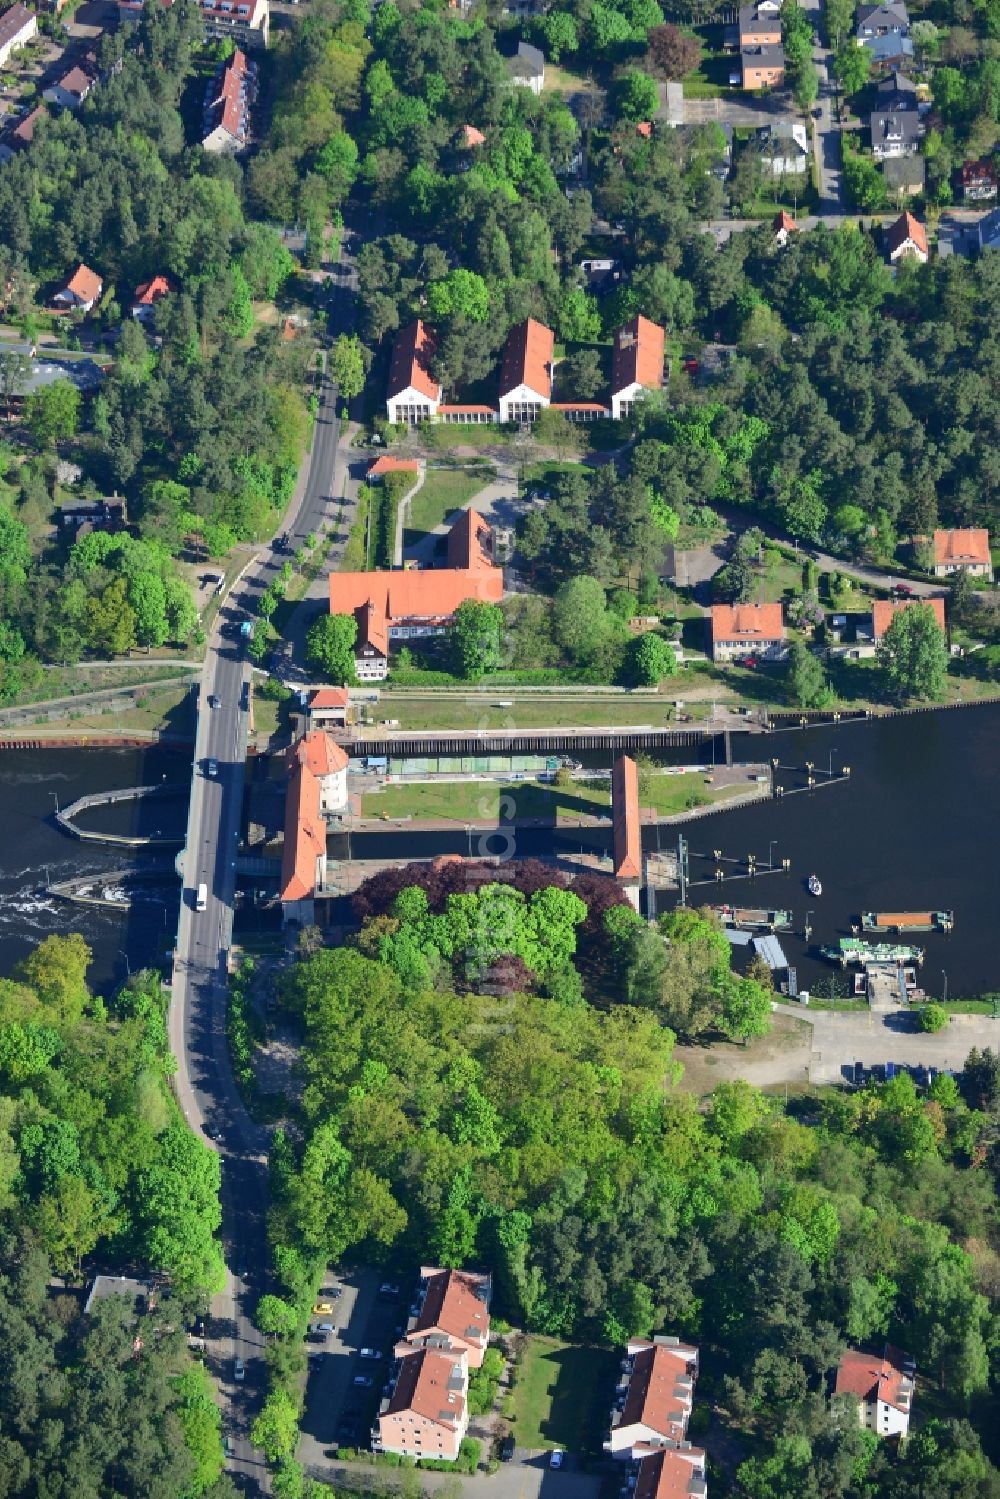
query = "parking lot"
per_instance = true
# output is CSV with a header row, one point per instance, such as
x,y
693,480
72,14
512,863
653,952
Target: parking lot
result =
x,y
338,1412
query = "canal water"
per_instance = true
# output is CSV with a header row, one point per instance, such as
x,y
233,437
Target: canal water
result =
x,y
916,827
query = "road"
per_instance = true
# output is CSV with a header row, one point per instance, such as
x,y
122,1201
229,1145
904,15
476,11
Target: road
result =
x,y
204,1083
827,142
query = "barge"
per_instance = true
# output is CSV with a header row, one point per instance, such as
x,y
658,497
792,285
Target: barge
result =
x,y
907,921
754,918
852,950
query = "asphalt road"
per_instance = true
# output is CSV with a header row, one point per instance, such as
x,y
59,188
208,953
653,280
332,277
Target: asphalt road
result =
x,y
826,138
204,1083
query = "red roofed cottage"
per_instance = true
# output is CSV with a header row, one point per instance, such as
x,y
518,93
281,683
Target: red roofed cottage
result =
x,y
883,1386
413,394
962,552
740,630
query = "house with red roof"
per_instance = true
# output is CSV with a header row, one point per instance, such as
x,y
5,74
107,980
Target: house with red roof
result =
x,y
426,1413
317,791
783,225
636,364
470,542
654,1397
962,551
883,1388
736,631
228,101
907,236
885,610
389,465
81,290
671,1473
326,707
69,91
146,296
526,372
413,394
452,1315
626,830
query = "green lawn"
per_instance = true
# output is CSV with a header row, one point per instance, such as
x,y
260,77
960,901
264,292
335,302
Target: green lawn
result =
x,y
560,1395
711,79
466,710
480,801
353,560
443,490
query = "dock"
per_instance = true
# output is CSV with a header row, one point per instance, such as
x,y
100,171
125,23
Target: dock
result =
x,y
852,950
754,918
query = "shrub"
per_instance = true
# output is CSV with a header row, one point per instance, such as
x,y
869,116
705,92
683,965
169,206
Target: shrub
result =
x,y
932,1018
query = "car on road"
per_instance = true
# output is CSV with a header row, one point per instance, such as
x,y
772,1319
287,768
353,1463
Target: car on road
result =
x,y
198,1328
323,1308
323,1327
227,1446
387,1291
333,1292
556,1458
903,589
369,1353
507,1449
363,1381
239,1371
211,768
213,700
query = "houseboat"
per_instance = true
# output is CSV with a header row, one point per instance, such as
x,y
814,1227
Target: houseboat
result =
x,y
907,921
852,950
754,918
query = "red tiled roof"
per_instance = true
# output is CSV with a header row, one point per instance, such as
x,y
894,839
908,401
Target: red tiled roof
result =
x,y
644,128
653,1397
578,406
748,622
84,283
411,356
784,221
76,81
233,102
329,697
148,292
627,837
527,359
320,755
907,227
871,1378
467,410
416,593
667,1474
469,542
962,546
472,137
373,625
884,609
25,132
452,1306
387,465
422,1387
305,835
638,355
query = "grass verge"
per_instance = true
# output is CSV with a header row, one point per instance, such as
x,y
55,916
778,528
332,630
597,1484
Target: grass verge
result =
x,y
557,1389
442,491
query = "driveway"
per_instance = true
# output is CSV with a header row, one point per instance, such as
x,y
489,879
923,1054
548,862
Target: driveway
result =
x,y
740,109
858,1036
531,1480
497,502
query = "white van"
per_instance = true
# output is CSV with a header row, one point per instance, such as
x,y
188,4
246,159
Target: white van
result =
x,y
201,898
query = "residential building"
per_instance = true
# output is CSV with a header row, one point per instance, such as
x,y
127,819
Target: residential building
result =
x,y
762,67
907,236
894,125
139,1293
85,516
17,27
426,1411
415,602
988,231
526,372
783,225
229,99
904,176
964,551
81,290
654,1397
317,790
600,276
326,707
760,25
451,1315
671,1473
636,364
883,1386
69,91
246,22
740,630
413,394
527,68
783,147
979,181
147,294
885,610
471,137
885,31
20,136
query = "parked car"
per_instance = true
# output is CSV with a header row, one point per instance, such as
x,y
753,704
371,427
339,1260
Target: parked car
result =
x,y
198,1330
239,1371
323,1327
213,701
227,1446
333,1292
388,1292
370,1353
363,1381
212,768
507,1449
904,589
556,1458
323,1308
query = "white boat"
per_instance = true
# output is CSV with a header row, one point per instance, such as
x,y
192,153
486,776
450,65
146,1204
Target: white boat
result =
x,y
814,886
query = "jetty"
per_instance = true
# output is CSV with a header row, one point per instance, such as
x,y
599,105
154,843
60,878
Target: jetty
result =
x,y
66,817
907,921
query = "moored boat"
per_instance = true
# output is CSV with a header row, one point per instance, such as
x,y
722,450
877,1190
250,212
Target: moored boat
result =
x,y
907,921
753,918
813,884
853,950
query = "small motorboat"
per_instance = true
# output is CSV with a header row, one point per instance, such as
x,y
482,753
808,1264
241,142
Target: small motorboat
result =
x,y
813,885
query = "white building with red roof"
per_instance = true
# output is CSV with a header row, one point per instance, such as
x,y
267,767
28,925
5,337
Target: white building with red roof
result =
x,y
962,551
654,1397
147,294
883,1386
738,631
636,364
452,1316
70,90
81,290
326,707
317,791
426,1412
907,236
526,372
672,1473
413,394
228,101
